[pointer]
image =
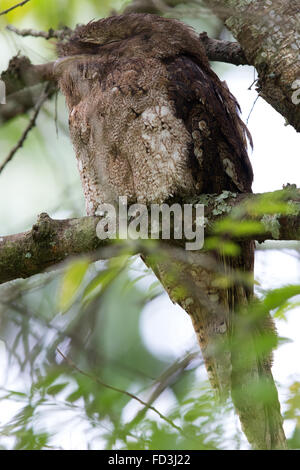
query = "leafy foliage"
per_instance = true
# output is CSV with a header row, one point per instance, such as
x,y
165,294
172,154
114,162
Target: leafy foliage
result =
x,y
103,338
103,349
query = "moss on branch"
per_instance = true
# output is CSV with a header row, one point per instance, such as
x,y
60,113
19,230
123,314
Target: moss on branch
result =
x,y
50,241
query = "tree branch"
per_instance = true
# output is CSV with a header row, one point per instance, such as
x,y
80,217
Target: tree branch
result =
x,y
223,51
50,34
216,50
44,96
50,242
4,12
265,32
23,80
94,378
21,73
268,33
23,83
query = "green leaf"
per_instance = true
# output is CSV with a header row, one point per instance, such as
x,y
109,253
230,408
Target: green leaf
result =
x,y
271,203
99,283
239,228
195,412
74,396
226,247
286,308
105,277
55,389
277,297
71,283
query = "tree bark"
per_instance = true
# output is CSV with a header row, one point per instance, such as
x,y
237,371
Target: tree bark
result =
x,y
268,32
23,83
50,242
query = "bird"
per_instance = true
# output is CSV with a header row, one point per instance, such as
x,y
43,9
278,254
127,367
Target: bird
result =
x,y
150,120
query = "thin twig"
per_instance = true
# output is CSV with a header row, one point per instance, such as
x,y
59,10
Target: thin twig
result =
x,y
252,109
119,390
51,33
4,12
254,81
163,382
31,124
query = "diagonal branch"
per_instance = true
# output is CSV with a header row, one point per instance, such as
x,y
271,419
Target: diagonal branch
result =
x,y
44,96
4,12
148,406
268,32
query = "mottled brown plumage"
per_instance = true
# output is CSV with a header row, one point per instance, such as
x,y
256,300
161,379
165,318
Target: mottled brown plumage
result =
x,y
150,120
166,120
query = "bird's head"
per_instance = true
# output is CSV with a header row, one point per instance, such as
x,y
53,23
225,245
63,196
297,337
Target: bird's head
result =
x,y
125,34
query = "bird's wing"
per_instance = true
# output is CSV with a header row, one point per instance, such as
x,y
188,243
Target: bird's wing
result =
x,y
211,114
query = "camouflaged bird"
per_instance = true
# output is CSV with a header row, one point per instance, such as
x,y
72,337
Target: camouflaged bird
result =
x,y
150,120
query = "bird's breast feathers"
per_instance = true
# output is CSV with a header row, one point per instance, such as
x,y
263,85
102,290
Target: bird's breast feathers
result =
x,y
151,129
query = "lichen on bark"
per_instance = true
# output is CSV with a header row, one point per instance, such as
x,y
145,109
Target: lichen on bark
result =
x,y
269,34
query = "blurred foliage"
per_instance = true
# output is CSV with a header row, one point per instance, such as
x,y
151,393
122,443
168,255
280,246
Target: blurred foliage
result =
x,y
93,313
103,342
67,355
51,14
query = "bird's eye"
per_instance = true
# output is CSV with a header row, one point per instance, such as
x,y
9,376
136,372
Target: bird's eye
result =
x,y
97,41
112,41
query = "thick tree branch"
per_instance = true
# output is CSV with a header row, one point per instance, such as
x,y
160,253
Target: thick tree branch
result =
x,y
21,73
268,32
51,241
46,244
23,83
